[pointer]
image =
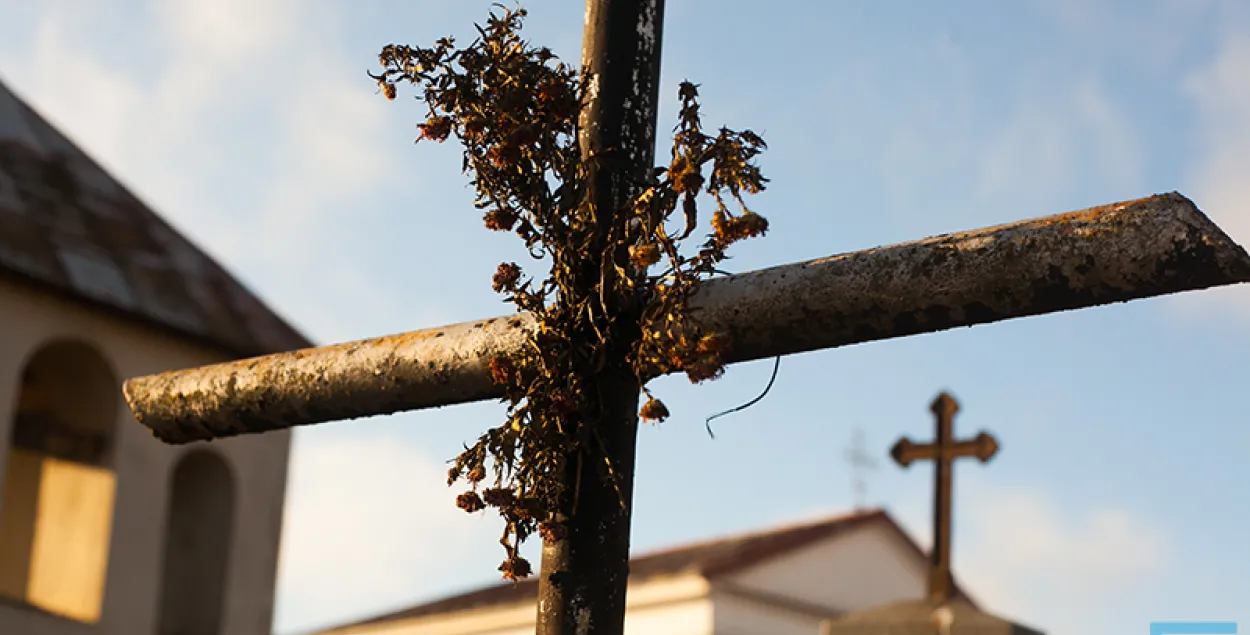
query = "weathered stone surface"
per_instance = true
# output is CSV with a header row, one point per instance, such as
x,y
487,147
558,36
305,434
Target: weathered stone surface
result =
x,y
1136,249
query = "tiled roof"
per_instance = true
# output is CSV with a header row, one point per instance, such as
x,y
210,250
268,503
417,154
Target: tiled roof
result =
x,y
67,225
710,558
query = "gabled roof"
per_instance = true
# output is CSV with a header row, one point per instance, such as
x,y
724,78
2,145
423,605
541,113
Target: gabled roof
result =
x,y
711,559
68,226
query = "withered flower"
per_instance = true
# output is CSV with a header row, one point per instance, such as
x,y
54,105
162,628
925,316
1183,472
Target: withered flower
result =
x,y
435,129
474,126
552,92
687,91
525,508
653,410
498,497
643,256
506,277
720,225
753,224
500,220
702,369
501,370
503,156
686,178
516,569
470,502
729,229
514,111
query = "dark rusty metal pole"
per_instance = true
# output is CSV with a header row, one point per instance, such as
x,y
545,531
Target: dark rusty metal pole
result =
x,y
583,577
943,452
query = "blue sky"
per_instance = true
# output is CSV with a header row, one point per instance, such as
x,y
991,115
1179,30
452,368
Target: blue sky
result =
x,y
1119,496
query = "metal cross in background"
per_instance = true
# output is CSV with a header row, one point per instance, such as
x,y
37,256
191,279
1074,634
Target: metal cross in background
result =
x,y
943,452
859,459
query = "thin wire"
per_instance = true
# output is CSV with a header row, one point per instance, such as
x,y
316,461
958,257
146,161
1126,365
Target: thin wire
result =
x,y
707,423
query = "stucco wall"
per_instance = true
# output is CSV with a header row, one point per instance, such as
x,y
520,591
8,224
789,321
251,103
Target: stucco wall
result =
x,y
30,318
676,605
868,567
734,614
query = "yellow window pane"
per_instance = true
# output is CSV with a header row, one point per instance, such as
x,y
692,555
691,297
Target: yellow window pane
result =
x,y
69,554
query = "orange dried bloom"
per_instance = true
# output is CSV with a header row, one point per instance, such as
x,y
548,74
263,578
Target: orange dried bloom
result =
x,y
689,180
500,220
388,90
703,369
476,474
435,129
498,497
730,229
516,568
501,370
720,223
503,156
643,256
653,410
470,502
552,92
524,508
753,224
474,126
506,277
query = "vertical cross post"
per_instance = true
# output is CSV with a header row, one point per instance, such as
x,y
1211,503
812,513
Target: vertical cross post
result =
x,y
943,452
583,577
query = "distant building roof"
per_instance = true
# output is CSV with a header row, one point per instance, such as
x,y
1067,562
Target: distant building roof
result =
x,y
66,224
710,559
920,617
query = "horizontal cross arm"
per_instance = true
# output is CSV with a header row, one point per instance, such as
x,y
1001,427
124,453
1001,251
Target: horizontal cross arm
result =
x,y
1137,249
906,451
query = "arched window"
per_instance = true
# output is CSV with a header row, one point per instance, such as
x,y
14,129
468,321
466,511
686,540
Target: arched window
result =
x,y
59,483
197,546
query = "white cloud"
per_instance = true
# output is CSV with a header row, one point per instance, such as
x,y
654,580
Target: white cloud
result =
x,y
1050,145
1221,92
369,524
1023,558
1219,181
270,185
234,31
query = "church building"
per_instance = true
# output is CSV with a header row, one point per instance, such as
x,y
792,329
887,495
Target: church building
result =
x,y
783,581
103,529
858,574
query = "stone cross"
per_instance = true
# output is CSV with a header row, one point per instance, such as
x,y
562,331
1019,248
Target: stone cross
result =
x,y
943,452
1136,249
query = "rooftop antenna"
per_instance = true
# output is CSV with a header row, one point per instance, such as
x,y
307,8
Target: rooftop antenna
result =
x,y
859,459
